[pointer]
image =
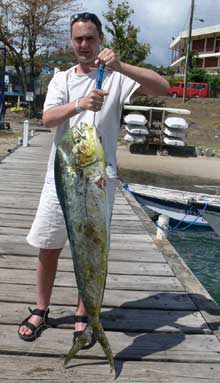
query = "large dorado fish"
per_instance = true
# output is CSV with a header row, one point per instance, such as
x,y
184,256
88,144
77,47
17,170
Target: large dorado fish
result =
x,y
79,176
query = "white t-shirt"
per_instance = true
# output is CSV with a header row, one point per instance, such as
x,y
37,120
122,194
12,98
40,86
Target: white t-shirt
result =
x,y
67,86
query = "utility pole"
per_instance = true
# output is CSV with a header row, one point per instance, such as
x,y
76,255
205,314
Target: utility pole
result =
x,y
188,49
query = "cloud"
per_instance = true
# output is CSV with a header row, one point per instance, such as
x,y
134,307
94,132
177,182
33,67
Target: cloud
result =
x,y
160,20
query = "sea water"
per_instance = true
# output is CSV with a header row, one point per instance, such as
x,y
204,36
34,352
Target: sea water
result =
x,y
200,249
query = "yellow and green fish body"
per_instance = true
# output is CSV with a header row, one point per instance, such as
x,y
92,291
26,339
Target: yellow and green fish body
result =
x,y
79,167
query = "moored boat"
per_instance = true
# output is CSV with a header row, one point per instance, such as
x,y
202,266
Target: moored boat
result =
x,y
173,141
183,206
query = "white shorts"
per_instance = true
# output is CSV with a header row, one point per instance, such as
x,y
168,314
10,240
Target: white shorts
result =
x,y
48,230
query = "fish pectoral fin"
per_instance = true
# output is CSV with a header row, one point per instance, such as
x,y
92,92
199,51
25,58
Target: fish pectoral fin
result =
x,y
101,183
85,338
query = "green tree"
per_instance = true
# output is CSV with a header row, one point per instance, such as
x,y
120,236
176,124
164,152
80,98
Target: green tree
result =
x,y
28,28
214,84
62,58
198,75
124,35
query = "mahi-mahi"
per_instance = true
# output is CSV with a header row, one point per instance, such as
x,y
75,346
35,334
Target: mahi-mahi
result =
x,y
79,178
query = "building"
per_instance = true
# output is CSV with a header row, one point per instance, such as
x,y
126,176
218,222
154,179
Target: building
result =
x,y
205,43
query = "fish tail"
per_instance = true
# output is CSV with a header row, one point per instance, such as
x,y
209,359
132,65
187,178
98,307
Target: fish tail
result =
x,y
96,332
100,336
85,338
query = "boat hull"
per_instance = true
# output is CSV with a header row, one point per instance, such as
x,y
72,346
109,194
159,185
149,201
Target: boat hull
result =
x,y
211,214
173,210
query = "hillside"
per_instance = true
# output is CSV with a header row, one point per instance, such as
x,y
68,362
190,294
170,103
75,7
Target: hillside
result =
x,y
204,120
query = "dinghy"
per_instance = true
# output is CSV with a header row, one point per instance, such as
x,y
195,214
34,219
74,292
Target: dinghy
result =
x,y
188,207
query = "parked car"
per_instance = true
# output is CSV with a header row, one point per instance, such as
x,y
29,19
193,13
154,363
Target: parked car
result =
x,y
193,89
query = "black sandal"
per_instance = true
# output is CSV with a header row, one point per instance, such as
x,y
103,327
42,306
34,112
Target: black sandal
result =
x,y
36,331
77,334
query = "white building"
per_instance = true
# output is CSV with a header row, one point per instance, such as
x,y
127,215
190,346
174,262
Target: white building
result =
x,y
205,43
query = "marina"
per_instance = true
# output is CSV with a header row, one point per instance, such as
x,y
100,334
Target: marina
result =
x,y
161,322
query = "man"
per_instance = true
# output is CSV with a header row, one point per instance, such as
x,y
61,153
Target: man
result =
x,y
72,97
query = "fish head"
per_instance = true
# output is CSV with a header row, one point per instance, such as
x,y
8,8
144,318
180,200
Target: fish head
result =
x,y
86,148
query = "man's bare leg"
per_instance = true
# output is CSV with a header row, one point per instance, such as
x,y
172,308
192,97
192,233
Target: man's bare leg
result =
x,y
79,326
46,272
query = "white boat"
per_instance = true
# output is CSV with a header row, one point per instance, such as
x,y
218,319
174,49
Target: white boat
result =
x,y
175,133
135,119
176,123
137,129
211,212
134,138
188,207
173,141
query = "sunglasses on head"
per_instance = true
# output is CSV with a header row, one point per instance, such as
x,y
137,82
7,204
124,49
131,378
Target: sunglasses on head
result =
x,y
86,16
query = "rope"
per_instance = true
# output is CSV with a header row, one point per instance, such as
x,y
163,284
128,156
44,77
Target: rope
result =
x,y
189,211
172,229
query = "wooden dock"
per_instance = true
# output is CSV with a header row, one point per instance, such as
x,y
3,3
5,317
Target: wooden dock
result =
x,y
161,323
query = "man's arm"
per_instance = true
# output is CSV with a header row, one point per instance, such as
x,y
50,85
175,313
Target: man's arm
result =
x,y
57,115
151,83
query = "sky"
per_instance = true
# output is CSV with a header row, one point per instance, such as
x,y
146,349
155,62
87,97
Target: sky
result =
x,y
160,20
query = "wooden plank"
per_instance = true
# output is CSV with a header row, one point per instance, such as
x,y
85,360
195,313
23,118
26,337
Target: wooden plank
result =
x,y
125,217
15,187
115,245
24,168
18,231
17,211
18,203
119,229
174,347
46,369
18,178
25,200
25,194
10,215
127,224
15,223
122,210
126,245
118,319
126,298
17,246
139,238
114,267
118,282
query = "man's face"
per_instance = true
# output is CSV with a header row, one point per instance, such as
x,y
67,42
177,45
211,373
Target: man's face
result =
x,y
86,41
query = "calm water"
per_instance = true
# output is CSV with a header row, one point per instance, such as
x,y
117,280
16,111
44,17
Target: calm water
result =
x,y
200,249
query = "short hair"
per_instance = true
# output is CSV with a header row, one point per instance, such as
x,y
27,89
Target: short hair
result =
x,y
86,16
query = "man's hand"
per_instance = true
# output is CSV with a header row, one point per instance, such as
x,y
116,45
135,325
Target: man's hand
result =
x,y
109,58
94,100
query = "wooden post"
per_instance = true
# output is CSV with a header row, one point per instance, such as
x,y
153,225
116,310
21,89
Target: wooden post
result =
x,y
163,225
